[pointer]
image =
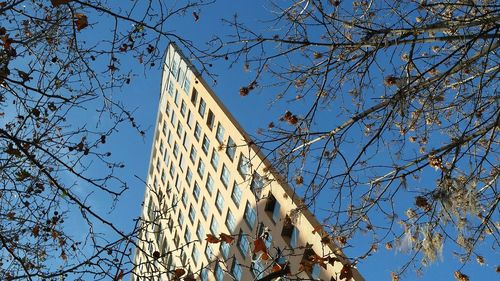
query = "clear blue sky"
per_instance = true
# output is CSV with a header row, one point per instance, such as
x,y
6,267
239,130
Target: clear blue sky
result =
x,y
143,96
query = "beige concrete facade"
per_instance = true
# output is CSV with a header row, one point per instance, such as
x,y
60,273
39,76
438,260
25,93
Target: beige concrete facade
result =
x,y
205,178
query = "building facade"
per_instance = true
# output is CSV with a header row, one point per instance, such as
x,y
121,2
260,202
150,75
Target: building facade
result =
x,y
213,208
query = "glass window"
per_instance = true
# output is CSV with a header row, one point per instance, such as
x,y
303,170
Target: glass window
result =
x,y
187,83
215,159
176,98
230,221
202,107
200,232
197,131
178,183
176,150
183,108
210,119
193,154
172,171
158,165
192,213
164,129
209,252
161,147
219,135
182,162
244,166
194,96
196,255
186,141
182,73
236,194
219,202
180,129
276,211
184,198
257,269
180,219
210,184
219,273
166,157
204,208
214,226
224,177
250,215
190,119
201,168
205,146
294,238
225,249
315,271
175,66
187,235
196,191
243,245
189,176
168,111
170,87
170,139
257,184
236,271
173,119
204,273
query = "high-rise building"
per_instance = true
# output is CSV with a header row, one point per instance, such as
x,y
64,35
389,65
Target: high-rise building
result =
x,y
207,179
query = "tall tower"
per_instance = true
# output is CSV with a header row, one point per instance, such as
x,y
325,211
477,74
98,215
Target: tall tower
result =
x,y
214,209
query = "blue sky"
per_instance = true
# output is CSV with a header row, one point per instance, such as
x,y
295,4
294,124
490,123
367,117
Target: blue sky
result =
x,y
252,112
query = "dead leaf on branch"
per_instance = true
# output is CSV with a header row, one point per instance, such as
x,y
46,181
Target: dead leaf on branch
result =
x,y
212,239
260,246
36,230
346,272
226,238
56,3
460,276
81,21
179,272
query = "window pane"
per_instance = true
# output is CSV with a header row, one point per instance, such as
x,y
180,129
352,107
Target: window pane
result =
x,y
210,119
196,255
230,221
236,271
231,148
225,176
215,159
197,131
201,168
244,166
243,245
196,191
214,227
250,215
236,194
202,107
205,145
210,184
220,133
219,274
204,208
193,154
219,202
200,232
192,214
225,248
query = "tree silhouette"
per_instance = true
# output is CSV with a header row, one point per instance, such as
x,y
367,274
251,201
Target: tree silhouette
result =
x,y
54,71
392,113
